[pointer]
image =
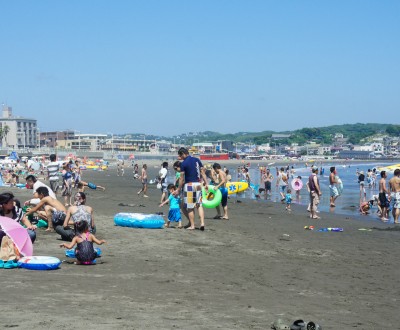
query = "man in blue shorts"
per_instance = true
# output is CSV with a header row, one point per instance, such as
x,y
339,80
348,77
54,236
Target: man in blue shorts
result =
x,y
333,191
192,175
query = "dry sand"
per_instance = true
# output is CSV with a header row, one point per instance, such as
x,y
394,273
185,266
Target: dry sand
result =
x,y
244,273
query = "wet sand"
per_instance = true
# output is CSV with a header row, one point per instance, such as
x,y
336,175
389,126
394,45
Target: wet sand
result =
x,y
244,273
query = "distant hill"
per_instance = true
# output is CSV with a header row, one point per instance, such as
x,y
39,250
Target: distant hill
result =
x,y
354,132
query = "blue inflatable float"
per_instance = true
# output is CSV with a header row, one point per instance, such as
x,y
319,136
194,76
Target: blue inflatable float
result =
x,y
39,263
139,220
71,253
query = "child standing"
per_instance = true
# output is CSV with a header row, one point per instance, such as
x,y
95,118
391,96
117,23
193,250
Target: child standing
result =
x,y
288,199
67,184
174,213
84,251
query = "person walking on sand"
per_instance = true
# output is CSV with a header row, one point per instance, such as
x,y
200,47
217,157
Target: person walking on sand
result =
x,y
282,181
222,187
394,184
54,212
67,184
334,193
143,178
174,213
162,177
53,168
382,197
192,174
315,192
288,199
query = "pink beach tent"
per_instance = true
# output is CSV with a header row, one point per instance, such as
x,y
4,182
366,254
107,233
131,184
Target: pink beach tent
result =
x,y
18,234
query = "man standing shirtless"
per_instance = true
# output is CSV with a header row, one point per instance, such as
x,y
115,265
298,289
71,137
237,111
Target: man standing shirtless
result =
x,y
382,196
394,184
332,186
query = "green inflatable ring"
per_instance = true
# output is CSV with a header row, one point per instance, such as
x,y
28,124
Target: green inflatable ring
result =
x,y
213,202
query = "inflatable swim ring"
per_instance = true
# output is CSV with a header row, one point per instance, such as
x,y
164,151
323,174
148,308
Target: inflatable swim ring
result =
x,y
214,197
39,263
139,220
297,184
20,185
71,253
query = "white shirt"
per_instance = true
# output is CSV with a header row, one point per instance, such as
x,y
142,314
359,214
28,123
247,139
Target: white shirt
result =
x,y
38,184
163,175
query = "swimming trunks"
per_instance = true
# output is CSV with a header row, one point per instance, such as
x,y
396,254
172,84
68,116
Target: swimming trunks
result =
x,y
383,200
333,190
192,195
396,200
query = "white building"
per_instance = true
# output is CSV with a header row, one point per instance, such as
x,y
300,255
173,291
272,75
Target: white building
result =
x,y
18,132
323,150
264,147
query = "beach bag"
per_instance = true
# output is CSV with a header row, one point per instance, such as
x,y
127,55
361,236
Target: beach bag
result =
x,y
159,185
8,250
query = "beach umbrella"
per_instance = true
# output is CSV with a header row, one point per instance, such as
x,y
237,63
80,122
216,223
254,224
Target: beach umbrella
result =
x,y
297,184
18,234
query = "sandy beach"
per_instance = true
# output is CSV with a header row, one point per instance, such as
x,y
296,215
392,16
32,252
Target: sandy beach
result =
x,y
244,273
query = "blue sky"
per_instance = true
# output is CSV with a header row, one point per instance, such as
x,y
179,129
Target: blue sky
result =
x,y
168,67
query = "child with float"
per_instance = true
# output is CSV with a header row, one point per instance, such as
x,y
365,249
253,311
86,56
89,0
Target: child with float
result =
x,y
84,251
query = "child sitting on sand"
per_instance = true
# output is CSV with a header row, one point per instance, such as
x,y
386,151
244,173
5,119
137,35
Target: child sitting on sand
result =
x,y
84,251
288,199
174,213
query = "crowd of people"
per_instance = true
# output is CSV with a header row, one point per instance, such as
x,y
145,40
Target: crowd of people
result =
x,y
74,221
70,219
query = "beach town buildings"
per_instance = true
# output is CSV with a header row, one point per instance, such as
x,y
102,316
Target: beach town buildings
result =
x,y
17,132
70,140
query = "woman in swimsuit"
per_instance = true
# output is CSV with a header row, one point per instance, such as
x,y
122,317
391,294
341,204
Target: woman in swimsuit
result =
x,y
76,213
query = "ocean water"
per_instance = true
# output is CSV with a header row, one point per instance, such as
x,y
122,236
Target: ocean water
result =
x,y
346,204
